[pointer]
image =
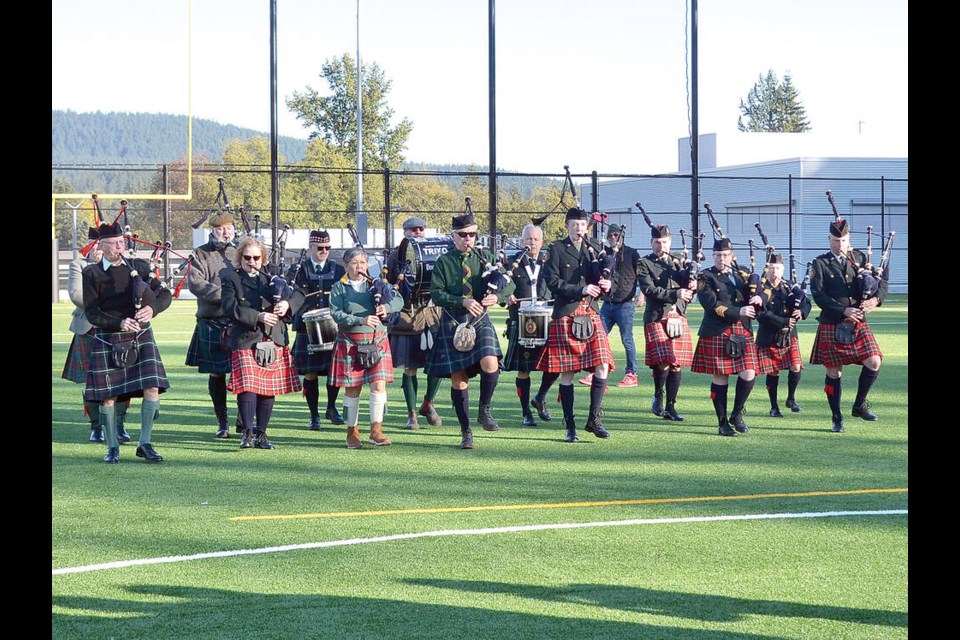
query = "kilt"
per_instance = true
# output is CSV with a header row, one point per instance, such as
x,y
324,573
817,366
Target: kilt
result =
x,y
660,349
345,372
205,351
520,358
78,357
406,351
107,381
564,353
771,359
827,352
305,362
445,359
275,380
711,357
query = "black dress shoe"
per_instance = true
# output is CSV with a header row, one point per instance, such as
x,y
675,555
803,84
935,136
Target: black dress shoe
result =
x,y
737,421
466,439
113,455
122,434
792,405
541,406
572,435
314,424
657,406
837,425
262,442
863,411
594,427
528,420
223,434
486,419
146,452
334,416
775,412
725,430
670,413
246,440
96,434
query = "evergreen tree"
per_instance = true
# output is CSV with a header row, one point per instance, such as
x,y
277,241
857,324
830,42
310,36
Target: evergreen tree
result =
x,y
773,106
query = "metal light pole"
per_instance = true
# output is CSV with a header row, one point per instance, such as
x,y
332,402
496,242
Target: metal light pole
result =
x,y
74,207
361,215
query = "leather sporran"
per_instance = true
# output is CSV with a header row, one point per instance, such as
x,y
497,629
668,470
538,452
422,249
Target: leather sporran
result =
x,y
464,337
265,353
782,338
736,345
225,342
124,354
674,328
846,333
582,327
368,355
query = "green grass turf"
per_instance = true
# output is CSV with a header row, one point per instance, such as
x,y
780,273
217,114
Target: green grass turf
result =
x,y
823,577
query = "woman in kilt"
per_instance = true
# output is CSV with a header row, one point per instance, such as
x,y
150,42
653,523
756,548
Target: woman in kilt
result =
x,y
530,285
457,286
727,314
575,345
834,286
124,360
778,346
361,323
261,367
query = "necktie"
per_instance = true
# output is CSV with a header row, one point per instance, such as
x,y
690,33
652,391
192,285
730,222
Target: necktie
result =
x,y
317,269
467,288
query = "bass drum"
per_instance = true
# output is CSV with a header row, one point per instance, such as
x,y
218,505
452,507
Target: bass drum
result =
x,y
421,254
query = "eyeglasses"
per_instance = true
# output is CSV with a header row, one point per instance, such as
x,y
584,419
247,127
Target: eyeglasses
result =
x,y
254,258
467,234
323,248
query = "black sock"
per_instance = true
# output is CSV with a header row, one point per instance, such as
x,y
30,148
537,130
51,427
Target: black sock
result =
x,y
673,386
793,381
867,378
744,387
332,393
247,403
264,410
718,393
546,381
461,404
217,386
488,383
523,392
597,387
772,383
831,386
659,380
311,391
566,401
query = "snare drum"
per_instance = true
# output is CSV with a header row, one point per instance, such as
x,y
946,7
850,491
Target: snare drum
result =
x,y
422,254
321,330
534,320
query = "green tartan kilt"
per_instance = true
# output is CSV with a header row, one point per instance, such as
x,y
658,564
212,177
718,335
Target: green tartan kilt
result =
x,y
445,359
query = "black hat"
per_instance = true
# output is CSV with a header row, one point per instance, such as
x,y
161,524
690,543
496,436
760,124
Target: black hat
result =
x,y
775,258
110,231
93,233
575,213
839,228
320,236
722,244
659,231
464,220
220,218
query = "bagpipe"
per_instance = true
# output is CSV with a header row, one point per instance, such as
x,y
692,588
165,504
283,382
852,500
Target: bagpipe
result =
x,y
689,267
494,274
798,289
751,279
868,276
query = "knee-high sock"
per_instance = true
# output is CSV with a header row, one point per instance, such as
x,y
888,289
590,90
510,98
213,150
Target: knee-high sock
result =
x,y
488,383
148,411
264,411
659,380
433,385
566,402
92,410
673,386
523,392
351,407
108,418
247,405
461,404
332,393
597,387
217,386
867,378
744,387
718,393
408,384
831,386
546,381
772,383
311,392
121,412
793,381
378,402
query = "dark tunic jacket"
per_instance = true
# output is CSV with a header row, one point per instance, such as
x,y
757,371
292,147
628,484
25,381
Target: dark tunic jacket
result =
x,y
834,286
108,295
776,313
660,283
308,281
721,301
243,297
566,275
522,279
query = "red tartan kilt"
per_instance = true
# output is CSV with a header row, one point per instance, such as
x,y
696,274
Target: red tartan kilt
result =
x,y
828,352
276,380
564,353
711,356
661,349
344,370
771,359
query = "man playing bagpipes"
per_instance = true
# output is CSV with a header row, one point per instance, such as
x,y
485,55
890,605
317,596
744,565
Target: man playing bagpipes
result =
x,y
576,339
119,300
843,334
466,342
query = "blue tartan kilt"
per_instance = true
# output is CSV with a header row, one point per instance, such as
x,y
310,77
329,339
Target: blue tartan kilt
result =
x,y
75,368
304,362
519,358
205,351
107,381
445,359
407,352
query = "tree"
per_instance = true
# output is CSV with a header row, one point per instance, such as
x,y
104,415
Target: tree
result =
x,y
334,116
773,106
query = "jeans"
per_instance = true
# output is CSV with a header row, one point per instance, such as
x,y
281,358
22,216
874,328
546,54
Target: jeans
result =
x,y
622,314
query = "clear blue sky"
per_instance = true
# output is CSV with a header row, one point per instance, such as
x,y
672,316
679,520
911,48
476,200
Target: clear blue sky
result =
x,y
595,84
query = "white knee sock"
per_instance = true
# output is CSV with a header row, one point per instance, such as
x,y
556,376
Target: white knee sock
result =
x,y
351,407
378,403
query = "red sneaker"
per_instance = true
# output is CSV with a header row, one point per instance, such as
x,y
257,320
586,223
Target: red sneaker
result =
x,y
629,380
587,379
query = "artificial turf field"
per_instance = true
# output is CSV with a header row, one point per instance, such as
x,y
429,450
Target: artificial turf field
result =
x,y
665,530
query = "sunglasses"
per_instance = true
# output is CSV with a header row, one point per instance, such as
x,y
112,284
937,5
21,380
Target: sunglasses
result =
x,y
467,234
254,258
323,248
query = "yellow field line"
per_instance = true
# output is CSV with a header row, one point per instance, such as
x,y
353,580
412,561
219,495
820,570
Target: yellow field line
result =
x,y
562,505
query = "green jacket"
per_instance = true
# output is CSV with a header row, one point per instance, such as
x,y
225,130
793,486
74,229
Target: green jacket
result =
x,y
446,281
348,307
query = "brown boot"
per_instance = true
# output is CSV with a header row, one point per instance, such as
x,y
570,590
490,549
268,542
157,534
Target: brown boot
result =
x,y
412,423
376,435
353,438
428,411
